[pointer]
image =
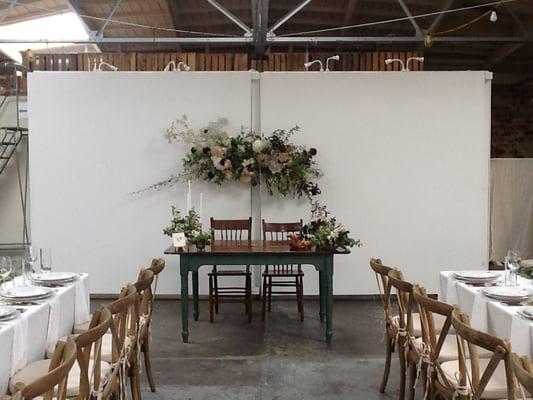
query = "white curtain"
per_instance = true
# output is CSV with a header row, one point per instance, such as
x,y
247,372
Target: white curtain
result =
x,y
511,207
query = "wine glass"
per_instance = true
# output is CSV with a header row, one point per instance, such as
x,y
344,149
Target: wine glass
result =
x,y
29,258
46,259
512,262
6,268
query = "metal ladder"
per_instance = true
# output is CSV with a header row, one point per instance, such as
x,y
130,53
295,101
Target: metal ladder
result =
x,y
11,137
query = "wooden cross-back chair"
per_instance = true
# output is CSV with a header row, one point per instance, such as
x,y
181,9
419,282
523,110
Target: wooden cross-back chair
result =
x,y
89,373
284,275
52,385
523,371
408,355
391,331
231,232
471,377
144,288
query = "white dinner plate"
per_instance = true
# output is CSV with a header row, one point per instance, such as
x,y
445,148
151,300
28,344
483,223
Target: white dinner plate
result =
x,y
476,275
508,294
526,263
527,312
27,293
14,314
6,312
54,277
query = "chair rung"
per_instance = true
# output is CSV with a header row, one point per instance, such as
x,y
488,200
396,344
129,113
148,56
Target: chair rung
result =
x,y
281,284
229,288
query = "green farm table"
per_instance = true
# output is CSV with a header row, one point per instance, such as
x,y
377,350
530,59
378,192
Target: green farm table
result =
x,y
255,253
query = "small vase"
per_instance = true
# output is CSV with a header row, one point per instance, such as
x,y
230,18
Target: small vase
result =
x,y
200,247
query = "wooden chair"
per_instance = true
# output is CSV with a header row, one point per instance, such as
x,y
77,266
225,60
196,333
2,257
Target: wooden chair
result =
x,y
85,377
144,288
230,231
54,383
471,377
282,275
407,353
391,328
523,371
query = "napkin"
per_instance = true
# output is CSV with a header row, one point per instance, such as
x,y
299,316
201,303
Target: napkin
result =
x,y
520,335
478,317
19,353
81,312
54,318
451,291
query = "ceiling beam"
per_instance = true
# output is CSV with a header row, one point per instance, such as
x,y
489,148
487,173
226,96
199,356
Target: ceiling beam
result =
x,y
413,22
75,8
288,16
260,25
350,13
232,17
109,16
438,19
10,7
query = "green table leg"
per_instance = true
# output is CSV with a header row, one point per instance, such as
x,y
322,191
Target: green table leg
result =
x,y
184,272
322,295
196,312
329,298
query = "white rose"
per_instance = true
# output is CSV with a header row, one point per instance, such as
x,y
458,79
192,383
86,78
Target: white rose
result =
x,y
259,145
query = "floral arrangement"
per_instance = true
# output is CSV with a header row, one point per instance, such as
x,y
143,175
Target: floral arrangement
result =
x,y
188,224
325,233
215,156
200,238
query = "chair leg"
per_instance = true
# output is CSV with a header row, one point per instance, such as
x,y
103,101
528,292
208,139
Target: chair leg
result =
x,y
386,371
147,365
215,287
401,353
264,297
269,294
211,300
297,293
412,380
249,296
301,299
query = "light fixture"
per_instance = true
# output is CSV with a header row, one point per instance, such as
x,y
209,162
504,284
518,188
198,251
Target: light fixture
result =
x,y
389,61
171,66
182,66
411,59
335,57
493,16
104,64
309,63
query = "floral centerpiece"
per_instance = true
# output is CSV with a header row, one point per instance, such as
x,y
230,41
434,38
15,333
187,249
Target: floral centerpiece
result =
x,y
248,157
325,233
187,224
200,239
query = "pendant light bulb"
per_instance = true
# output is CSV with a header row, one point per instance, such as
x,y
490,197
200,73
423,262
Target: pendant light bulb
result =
x,y
493,16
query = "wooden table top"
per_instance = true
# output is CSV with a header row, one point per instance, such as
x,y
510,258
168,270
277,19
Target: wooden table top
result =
x,y
244,247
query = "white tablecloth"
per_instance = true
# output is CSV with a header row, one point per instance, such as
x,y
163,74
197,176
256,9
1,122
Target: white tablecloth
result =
x,y
490,315
24,339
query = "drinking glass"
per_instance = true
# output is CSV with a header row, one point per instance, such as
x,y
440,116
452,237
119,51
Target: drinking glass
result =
x,y
46,259
512,264
30,257
6,267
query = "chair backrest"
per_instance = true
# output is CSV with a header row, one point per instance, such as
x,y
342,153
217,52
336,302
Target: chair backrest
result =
x,y
475,381
54,383
427,307
404,295
158,265
144,288
231,229
125,324
89,344
280,231
382,278
523,370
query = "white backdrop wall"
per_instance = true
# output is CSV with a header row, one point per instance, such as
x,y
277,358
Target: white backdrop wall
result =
x,y
96,137
406,165
405,160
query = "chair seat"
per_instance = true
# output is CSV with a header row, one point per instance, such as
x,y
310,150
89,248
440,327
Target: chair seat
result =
x,y
448,351
229,272
106,352
497,386
417,325
37,369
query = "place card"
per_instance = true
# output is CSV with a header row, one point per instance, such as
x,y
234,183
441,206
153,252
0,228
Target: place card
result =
x,y
179,239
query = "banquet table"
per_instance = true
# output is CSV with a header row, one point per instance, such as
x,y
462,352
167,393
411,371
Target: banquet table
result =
x,y
489,315
24,339
254,253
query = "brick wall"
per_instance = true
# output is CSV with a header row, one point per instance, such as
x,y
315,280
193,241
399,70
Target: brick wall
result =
x,y
512,121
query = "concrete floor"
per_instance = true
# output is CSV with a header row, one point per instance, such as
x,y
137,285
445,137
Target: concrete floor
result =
x,y
282,358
